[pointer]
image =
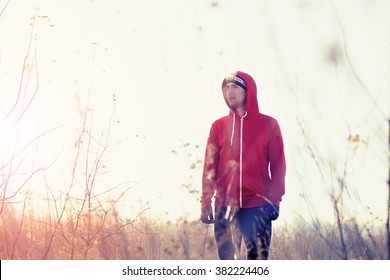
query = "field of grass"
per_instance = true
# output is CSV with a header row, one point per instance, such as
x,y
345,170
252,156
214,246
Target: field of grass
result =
x,y
94,236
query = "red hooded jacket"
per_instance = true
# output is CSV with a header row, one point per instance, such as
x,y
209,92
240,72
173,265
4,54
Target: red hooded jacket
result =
x,y
244,162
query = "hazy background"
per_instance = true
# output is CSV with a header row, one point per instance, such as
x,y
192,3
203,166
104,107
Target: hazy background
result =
x,y
148,74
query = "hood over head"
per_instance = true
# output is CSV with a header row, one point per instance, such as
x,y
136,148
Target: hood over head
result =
x,y
245,81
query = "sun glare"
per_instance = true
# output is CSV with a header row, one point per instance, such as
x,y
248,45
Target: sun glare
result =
x,y
8,140
16,139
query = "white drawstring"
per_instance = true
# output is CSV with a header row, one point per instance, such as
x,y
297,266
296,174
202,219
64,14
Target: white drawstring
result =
x,y
231,138
241,140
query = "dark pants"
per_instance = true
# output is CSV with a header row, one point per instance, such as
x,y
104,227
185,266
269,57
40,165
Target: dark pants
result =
x,y
253,224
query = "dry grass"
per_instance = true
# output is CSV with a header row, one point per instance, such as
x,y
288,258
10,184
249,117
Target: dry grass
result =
x,y
145,238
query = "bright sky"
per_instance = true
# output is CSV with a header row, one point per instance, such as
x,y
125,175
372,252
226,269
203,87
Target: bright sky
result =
x,y
160,65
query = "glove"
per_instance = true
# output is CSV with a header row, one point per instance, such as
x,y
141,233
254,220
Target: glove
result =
x,y
207,215
271,211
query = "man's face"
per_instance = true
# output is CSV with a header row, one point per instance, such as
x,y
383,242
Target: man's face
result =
x,y
235,96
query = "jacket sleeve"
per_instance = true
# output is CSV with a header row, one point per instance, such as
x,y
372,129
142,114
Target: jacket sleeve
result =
x,y
277,165
210,167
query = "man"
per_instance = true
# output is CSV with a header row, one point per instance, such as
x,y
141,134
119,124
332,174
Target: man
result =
x,y
244,169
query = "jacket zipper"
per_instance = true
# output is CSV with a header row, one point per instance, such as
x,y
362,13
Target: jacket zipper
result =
x,y
241,136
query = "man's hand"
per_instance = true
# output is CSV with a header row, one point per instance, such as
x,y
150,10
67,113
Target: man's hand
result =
x,y
207,215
